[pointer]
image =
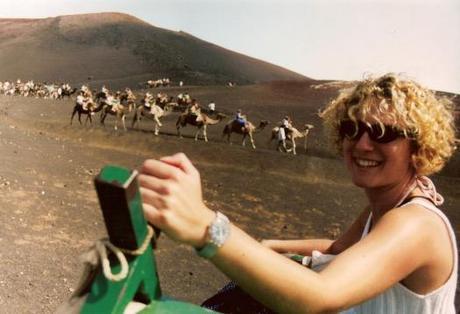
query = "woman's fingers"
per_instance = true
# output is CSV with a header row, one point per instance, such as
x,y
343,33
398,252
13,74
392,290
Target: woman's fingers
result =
x,y
162,202
160,169
151,197
181,161
151,214
149,211
152,183
153,205
172,197
161,186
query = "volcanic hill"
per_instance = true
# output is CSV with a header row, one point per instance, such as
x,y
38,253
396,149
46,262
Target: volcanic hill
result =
x,y
123,50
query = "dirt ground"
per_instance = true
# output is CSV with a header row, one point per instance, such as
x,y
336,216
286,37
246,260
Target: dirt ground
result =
x,y
50,213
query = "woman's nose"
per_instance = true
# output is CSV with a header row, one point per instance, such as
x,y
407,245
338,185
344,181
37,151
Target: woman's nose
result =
x,y
364,142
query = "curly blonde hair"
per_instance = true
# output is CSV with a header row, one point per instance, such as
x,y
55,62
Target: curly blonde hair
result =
x,y
425,118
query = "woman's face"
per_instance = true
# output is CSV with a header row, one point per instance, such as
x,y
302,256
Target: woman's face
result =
x,y
375,165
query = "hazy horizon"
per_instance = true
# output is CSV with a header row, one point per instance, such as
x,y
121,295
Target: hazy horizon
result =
x,y
337,40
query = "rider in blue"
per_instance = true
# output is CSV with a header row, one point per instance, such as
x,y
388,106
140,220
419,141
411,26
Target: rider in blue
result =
x,y
241,119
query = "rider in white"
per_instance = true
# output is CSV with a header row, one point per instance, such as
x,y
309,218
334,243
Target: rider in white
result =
x,y
148,100
105,90
286,125
82,101
113,101
84,88
130,96
212,107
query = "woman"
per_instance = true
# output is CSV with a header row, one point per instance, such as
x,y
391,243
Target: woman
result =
x,y
399,256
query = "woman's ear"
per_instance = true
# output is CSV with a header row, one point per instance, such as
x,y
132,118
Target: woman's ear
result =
x,y
414,162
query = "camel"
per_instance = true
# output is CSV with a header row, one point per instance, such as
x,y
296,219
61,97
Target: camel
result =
x,y
154,114
158,83
291,135
183,103
162,99
124,99
201,121
100,96
119,111
90,109
247,131
68,93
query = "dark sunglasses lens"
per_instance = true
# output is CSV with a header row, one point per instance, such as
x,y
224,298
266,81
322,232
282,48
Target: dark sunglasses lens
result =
x,y
383,136
348,129
354,131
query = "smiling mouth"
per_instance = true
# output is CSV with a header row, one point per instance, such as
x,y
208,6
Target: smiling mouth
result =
x,y
366,163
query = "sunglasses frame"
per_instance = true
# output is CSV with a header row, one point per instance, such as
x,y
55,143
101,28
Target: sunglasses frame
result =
x,y
354,130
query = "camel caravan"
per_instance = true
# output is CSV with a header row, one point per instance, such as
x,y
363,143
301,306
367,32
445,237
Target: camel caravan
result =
x,y
154,108
38,90
163,82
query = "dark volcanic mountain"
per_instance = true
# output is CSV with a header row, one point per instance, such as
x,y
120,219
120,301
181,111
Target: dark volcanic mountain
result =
x,y
114,47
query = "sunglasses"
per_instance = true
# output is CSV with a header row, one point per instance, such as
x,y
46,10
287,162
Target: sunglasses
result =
x,y
354,130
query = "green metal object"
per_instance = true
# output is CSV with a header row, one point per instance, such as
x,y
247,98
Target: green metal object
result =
x,y
121,205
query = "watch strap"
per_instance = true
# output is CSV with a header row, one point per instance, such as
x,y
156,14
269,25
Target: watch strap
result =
x,y
207,251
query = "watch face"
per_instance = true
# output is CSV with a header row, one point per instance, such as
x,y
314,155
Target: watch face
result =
x,y
219,230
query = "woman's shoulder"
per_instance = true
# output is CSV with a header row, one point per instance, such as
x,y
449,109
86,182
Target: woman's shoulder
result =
x,y
419,220
413,214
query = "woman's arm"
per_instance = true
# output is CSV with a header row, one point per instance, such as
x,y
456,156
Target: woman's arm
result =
x,y
394,249
325,246
302,247
398,245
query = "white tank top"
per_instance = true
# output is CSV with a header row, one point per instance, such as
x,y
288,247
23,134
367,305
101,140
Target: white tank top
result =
x,y
399,299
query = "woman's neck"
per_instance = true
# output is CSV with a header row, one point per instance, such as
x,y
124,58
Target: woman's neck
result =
x,y
382,199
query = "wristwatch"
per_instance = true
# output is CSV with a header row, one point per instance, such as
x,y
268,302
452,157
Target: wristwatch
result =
x,y
217,233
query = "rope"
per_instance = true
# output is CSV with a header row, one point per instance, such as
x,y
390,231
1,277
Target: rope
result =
x,y
104,244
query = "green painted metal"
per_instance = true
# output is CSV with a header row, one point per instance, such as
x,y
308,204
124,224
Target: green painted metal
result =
x,y
168,306
121,204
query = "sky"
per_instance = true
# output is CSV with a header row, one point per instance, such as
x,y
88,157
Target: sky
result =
x,y
321,39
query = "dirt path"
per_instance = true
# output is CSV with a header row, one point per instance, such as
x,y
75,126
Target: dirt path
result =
x,y
50,215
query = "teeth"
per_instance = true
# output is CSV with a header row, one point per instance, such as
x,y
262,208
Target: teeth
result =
x,y
366,163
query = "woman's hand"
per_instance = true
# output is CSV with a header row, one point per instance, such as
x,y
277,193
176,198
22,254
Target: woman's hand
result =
x,y
172,199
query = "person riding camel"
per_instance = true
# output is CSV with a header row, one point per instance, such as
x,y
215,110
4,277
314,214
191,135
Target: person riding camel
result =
x,y
241,120
113,101
130,97
194,110
105,91
185,98
82,100
86,91
161,99
148,101
285,126
212,106
66,87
